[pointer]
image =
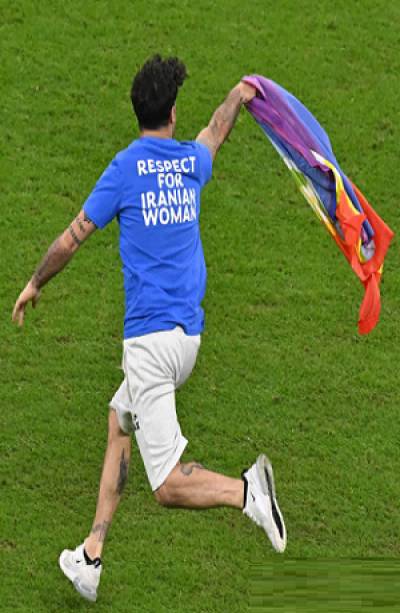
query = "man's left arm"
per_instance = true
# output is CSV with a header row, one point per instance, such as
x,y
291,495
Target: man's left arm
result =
x,y
56,258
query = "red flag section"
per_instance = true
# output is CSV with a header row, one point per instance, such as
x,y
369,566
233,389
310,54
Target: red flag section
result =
x,y
368,272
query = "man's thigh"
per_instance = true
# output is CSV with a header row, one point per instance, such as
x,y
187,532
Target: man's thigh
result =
x,y
154,366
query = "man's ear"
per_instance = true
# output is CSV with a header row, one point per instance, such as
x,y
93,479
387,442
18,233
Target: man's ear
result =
x,y
172,117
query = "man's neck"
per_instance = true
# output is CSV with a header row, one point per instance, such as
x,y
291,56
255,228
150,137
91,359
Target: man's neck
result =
x,y
165,132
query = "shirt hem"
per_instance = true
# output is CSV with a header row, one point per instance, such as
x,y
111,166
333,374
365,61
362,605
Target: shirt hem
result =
x,y
160,327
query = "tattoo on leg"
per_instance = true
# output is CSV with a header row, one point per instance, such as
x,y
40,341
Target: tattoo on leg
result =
x,y
74,236
123,473
187,469
101,530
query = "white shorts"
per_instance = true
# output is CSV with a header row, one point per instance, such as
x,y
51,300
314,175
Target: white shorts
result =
x,y
154,366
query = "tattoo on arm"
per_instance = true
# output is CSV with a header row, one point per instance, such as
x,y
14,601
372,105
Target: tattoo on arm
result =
x,y
87,220
82,220
123,473
55,259
81,228
187,469
73,234
222,122
80,225
101,530
62,250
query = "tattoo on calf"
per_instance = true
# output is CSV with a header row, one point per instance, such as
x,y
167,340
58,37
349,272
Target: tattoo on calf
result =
x,y
187,469
123,473
101,530
74,236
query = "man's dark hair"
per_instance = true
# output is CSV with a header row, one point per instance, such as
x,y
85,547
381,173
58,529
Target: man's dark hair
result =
x,y
154,90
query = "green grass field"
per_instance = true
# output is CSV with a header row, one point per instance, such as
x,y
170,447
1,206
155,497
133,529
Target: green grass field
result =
x,y
281,369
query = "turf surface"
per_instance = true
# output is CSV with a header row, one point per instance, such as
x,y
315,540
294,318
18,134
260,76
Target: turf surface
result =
x,y
281,368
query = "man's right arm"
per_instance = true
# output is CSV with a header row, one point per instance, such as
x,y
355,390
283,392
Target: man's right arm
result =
x,y
58,255
101,206
223,120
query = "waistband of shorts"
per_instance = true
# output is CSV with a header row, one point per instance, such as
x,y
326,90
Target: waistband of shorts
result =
x,y
176,330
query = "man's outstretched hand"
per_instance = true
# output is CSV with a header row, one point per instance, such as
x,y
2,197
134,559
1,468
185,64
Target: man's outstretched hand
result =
x,y
29,294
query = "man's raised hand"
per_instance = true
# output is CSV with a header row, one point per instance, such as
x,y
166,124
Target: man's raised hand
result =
x,y
248,92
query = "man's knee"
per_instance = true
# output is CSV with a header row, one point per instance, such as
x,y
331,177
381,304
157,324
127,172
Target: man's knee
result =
x,y
166,493
169,493
163,495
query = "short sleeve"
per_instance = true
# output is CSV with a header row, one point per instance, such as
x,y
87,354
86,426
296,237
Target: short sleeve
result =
x,y
103,203
205,160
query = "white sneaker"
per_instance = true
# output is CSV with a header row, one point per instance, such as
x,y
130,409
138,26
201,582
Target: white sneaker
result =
x,y
85,577
261,504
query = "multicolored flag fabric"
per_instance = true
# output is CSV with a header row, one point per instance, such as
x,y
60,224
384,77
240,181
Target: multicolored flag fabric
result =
x,y
305,147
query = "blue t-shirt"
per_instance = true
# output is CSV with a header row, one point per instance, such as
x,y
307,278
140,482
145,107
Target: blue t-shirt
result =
x,y
153,188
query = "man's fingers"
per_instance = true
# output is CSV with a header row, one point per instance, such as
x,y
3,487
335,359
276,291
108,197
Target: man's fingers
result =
x,y
21,314
29,294
14,316
18,313
249,91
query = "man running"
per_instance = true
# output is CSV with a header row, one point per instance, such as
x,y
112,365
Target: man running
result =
x,y
153,188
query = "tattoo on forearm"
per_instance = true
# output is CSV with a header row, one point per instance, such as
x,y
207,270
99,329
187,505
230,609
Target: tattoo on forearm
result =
x,y
74,236
101,530
123,473
187,469
55,259
59,254
224,117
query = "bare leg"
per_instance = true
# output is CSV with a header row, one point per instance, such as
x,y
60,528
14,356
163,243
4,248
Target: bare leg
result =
x,y
192,486
113,479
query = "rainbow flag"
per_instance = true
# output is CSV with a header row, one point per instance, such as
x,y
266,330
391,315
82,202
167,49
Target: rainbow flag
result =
x,y
305,148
